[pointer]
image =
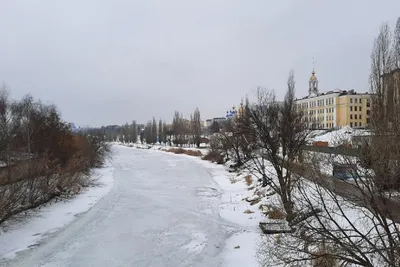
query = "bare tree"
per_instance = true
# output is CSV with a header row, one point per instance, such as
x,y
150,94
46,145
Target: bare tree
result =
x,y
381,65
231,139
353,200
397,44
160,132
167,133
280,131
134,132
196,127
154,131
10,124
179,129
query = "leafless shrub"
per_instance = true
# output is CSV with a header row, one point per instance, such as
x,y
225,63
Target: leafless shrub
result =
x,y
194,153
214,156
42,158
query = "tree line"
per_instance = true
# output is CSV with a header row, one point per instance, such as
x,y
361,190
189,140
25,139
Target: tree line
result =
x,y
40,157
181,132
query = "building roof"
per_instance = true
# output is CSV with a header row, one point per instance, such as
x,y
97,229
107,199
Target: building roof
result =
x,y
332,92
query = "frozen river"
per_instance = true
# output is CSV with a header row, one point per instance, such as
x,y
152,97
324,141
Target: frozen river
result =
x,y
162,211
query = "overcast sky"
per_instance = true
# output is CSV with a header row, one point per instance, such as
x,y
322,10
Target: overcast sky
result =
x,y
108,61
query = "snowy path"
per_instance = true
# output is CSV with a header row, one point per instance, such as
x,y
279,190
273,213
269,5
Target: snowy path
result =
x,y
162,211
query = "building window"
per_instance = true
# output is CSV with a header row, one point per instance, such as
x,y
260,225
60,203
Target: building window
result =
x,y
368,112
360,101
368,103
359,109
355,108
368,120
351,100
351,108
351,116
351,124
359,116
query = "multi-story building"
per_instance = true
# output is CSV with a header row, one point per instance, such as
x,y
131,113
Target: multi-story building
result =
x,y
335,108
208,123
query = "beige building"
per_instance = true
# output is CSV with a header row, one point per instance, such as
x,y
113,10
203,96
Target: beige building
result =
x,y
335,108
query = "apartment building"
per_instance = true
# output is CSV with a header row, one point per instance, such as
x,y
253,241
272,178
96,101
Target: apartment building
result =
x,y
336,108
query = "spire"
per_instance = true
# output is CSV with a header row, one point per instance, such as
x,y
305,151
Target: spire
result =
x,y
313,82
313,66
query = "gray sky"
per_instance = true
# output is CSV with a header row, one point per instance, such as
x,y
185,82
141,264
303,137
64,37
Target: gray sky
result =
x,y
109,61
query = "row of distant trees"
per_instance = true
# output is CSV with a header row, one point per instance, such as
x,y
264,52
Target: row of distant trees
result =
x,y
180,132
329,222
40,157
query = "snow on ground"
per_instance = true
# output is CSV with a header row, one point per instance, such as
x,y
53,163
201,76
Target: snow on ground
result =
x,y
23,232
203,147
336,137
240,249
197,244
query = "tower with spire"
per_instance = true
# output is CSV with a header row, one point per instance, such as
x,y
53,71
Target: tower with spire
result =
x,y
313,83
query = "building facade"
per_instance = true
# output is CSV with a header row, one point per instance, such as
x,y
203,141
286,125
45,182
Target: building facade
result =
x,y
335,108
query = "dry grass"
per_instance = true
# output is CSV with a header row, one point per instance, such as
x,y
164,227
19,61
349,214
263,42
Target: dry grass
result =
x,y
249,180
248,211
39,183
276,214
194,153
214,156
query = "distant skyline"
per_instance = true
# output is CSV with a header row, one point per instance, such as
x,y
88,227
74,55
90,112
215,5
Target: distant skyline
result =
x,y
110,62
